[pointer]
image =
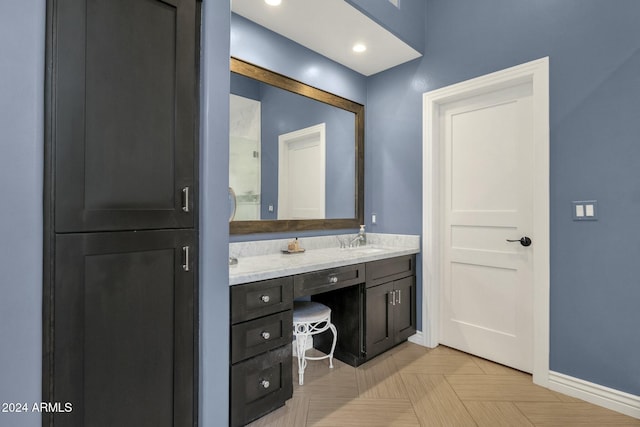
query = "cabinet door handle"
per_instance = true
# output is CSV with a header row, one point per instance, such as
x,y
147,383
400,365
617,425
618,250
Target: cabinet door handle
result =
x,y
399,296
185,199
265,335
392,297
185,255
333,279
265,298
265,383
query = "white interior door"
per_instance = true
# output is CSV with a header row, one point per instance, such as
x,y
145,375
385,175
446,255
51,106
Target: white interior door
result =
x,y
487,197
301,174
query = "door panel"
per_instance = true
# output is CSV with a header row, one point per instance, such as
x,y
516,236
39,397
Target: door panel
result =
x,y
404,313
379,319
487,297
124,127
124,330
482,138
475,287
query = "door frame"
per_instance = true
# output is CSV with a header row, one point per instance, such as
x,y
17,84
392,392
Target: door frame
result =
x,y
537,74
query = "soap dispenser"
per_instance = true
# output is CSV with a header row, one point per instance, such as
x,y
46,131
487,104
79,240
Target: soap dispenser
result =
x,y
363,236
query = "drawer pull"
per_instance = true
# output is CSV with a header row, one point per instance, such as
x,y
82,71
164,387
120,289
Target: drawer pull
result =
x,y
266,335
185,255
265,298
333,279
185,199
265,383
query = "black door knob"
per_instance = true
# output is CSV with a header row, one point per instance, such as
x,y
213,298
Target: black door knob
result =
x,y
524,241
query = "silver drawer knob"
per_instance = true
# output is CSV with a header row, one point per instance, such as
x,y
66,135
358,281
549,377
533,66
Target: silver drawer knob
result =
x,y
333,279
265,383
266,335
265,298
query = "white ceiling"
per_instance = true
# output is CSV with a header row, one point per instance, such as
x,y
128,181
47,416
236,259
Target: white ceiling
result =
x,y
331,28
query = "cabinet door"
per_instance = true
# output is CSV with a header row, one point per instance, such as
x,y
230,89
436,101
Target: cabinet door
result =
x,y
379,319
124,114
124,329
404,310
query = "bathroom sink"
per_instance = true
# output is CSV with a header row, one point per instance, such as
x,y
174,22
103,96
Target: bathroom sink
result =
x,y
365,250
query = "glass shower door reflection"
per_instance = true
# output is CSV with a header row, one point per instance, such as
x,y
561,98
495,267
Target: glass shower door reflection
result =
x,y
244,156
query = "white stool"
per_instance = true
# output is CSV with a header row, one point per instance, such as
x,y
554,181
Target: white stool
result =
x,y
311,318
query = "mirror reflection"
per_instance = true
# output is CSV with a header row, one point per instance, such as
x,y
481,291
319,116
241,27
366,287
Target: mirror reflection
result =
x,y
291,157
296,154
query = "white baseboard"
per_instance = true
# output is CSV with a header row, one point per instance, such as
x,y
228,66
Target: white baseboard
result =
x,y
606,397
421,339
417,338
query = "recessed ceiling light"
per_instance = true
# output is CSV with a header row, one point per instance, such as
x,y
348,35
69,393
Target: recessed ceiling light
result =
x,y
273,2
359,47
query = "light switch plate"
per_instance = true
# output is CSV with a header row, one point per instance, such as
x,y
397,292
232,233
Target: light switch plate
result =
x,y
584,210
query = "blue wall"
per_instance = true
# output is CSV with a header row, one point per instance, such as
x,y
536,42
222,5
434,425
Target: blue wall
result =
x,y
244,86
594,50
22,29
214,216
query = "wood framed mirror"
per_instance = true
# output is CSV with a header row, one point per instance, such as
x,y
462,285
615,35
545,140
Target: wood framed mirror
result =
x,y
296,154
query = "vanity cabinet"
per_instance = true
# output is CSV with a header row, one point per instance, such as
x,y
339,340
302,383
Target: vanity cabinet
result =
x,y
261,335
372,305
390,303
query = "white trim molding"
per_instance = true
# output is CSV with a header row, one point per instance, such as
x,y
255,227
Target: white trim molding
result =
x,y
537,74
606,397
417,338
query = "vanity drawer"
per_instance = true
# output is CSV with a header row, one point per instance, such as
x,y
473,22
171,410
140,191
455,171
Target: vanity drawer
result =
x,y
327,280
260,385
386,270
259,335
259,299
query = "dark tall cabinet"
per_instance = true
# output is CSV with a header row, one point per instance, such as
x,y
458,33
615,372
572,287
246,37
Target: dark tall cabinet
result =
x,y
120,291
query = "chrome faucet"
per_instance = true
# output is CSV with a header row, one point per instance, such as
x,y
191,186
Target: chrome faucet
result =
x,y
358,239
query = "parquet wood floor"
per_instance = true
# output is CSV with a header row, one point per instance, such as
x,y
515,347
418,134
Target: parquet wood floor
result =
x,y
414,386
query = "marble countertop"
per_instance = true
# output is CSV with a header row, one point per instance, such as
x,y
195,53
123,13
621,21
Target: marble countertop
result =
x,y
257,266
